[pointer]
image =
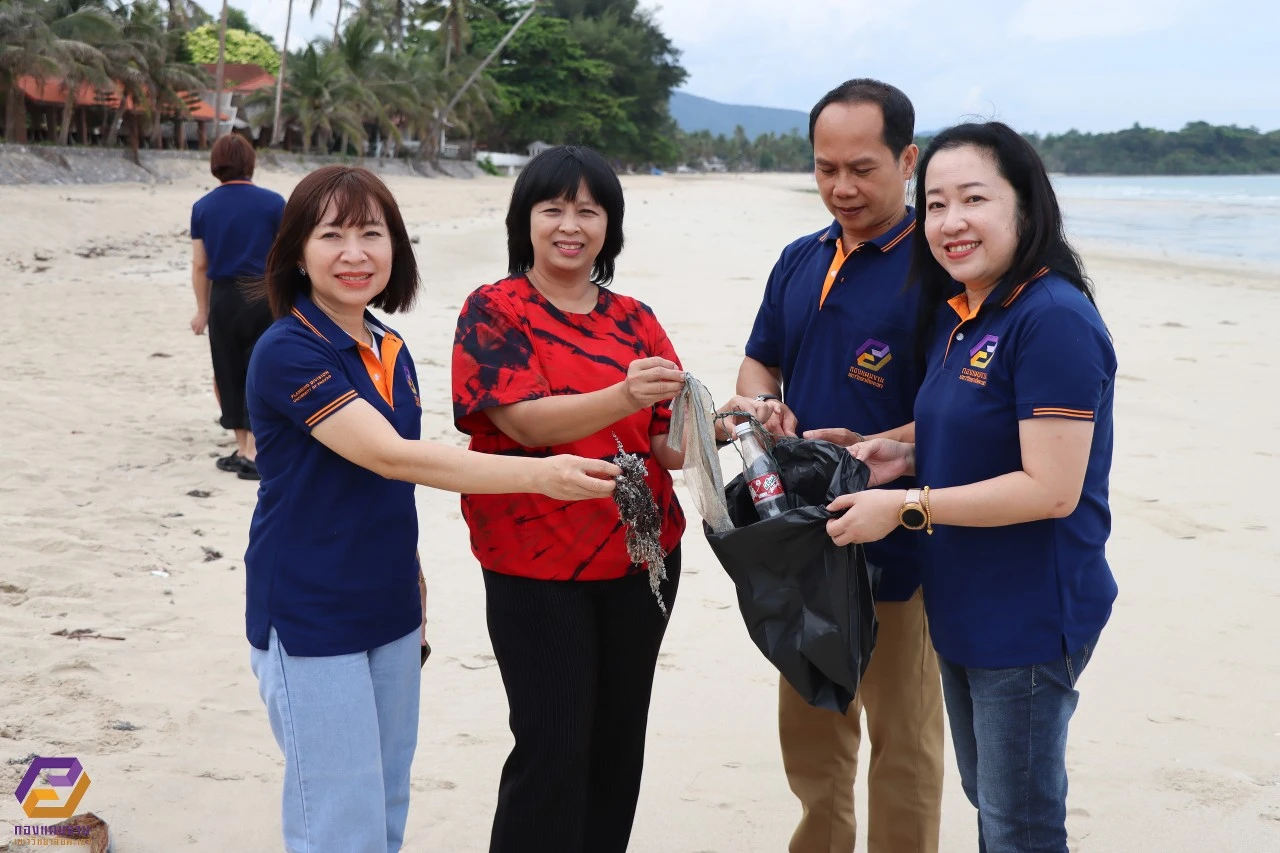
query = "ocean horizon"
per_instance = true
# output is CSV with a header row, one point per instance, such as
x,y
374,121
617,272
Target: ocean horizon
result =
x,y
1233,219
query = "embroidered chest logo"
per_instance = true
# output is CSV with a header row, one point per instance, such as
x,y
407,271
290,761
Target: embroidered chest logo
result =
x,y
870,359
408,377
979,357
981,354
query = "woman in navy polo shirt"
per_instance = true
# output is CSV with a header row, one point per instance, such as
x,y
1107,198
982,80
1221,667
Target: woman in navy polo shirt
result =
x,y
333,609
1014,442
232,227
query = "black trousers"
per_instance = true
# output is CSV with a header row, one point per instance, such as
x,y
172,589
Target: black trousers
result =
x,y
234,327
577,660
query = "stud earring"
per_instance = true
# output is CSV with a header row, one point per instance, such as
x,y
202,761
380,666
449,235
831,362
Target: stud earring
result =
x,y
304,272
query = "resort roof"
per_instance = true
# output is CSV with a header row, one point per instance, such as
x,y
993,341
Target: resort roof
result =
x,y
54,91
241,77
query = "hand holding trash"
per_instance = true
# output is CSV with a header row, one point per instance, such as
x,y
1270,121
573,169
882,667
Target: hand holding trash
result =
x,y
757,409
652,380
887,459
868,516
573,478
781,421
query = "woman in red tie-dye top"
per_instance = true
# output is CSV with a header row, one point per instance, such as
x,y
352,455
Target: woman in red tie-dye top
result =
x,y
550,361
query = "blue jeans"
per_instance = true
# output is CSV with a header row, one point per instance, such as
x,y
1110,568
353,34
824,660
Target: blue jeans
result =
x,y
348,727
1009,728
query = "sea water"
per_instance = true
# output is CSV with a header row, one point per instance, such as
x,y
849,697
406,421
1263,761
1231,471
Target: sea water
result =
x,y
1231,219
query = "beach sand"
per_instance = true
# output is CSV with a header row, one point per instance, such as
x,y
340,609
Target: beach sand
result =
x,y
113,518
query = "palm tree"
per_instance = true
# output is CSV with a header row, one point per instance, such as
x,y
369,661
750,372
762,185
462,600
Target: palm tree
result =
x,y
145,64
322,97
337,21
217,85
42,39
454,19
277,132
443,116
142,35
185,15
91,20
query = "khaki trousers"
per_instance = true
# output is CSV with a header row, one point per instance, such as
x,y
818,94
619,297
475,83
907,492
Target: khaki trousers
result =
x,y
902,696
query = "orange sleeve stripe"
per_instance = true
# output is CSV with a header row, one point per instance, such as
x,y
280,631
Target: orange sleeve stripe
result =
x,y
1083,414
331,408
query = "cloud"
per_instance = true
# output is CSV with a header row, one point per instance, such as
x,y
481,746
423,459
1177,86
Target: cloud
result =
x,y
1043,65
1058,20
269,16
781,54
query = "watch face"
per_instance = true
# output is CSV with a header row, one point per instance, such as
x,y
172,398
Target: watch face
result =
x,y
913,518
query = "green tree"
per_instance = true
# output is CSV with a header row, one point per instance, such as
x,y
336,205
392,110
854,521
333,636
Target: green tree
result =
x,y
321,96
244,47
645,67
238,19
547,87
43,39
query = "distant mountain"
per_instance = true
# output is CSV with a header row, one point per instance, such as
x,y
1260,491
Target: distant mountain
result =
x,y
693,114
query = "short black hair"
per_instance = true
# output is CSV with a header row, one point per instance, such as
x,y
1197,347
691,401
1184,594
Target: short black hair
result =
x,y
558,173
1042,239
895,106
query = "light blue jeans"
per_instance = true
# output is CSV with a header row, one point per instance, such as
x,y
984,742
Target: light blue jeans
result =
x,y
348,726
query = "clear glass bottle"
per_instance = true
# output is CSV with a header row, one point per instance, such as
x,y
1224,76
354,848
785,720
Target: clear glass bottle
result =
x,y
761,474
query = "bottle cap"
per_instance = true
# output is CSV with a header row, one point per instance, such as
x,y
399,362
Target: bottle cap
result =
x,y
742,429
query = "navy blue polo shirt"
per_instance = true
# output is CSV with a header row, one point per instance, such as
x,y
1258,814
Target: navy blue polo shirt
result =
x,y
331,560
1027,593
237,222
850,361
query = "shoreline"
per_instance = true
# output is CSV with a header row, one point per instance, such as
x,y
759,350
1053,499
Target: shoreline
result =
x,y
115,520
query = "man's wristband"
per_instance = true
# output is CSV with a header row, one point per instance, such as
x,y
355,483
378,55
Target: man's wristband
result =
x,y
760,398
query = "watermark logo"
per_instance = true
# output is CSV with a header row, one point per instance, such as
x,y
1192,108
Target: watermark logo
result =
x,y
980,356
66,781
874,355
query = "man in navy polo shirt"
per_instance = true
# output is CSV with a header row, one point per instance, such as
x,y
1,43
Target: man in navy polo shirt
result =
x,y
832,351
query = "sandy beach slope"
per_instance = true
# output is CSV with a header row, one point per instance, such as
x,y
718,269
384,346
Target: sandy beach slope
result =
x,y
113,518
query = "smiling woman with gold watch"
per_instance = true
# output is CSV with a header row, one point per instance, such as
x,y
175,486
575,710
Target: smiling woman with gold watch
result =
x,y
1013,445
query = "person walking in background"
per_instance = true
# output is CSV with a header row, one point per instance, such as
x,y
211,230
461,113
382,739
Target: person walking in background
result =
x,y
1013,446
232,228
833,356
333,610
546,361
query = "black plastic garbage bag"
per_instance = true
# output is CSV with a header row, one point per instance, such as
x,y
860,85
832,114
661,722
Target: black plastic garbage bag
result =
x,y
808,603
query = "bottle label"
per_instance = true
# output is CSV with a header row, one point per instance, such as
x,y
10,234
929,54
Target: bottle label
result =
x,y
765,486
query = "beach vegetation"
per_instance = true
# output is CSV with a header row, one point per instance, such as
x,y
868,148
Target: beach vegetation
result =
x,y
201,46
105,58
1199,148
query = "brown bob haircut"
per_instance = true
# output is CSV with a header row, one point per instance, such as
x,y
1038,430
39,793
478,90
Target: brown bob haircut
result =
x,y
358,197
232,158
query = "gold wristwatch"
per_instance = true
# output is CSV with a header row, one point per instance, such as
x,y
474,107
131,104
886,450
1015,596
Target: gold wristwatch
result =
x,y
912,515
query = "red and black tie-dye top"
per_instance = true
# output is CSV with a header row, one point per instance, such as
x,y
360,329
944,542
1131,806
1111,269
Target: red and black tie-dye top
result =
x,y
513,345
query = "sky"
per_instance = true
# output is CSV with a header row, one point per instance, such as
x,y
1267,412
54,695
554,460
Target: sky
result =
x,y
1043,66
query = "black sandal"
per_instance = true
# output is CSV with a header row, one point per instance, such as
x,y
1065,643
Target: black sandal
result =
x,y
248,470
230,464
